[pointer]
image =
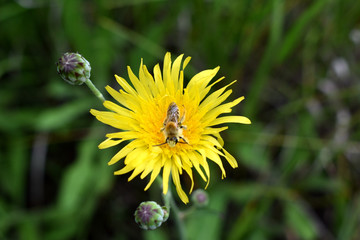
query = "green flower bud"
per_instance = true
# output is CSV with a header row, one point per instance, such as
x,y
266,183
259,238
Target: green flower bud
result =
x,y
149,215
200,198
73,68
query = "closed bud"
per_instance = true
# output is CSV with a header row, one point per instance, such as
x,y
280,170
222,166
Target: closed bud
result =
x,y
73,68
150,215
200,198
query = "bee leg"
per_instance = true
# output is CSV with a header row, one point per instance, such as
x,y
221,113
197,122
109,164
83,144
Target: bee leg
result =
x,y
182,118
184,140
159,144
163,128
183,126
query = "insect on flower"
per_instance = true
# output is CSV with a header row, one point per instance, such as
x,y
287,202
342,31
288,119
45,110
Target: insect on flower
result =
x,y
200,139
172,126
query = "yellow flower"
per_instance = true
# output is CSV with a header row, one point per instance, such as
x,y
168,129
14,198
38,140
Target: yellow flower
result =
x,y
140,117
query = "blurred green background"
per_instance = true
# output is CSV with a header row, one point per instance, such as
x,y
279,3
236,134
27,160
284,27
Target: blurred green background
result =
x,y
297,62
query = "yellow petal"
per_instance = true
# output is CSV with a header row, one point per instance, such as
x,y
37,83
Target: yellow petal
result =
x,y
138,155
126,135
154,174
176,160
224,108
209,110
211,130
125,85
186,61
207,89
215,158
203,78
116,95
205,165
211,140
109,143
199,82
136,171
232,161
230,119
158,80
153,159
181,83
113,119
118,109
145,76
188,170
219,138
166,174
167,74
216,98
176,180
124,170
124,151
137,84
175,71
196,163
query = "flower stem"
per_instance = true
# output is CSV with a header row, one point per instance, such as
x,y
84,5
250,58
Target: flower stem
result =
x,y
96,92
178,219
171,205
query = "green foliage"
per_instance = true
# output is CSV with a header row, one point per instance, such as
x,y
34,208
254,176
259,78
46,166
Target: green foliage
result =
x,y
296,62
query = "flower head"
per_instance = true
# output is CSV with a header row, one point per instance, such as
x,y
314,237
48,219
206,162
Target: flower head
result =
x,y
163,136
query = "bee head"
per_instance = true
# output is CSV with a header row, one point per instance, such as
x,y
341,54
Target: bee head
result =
x,y
172,141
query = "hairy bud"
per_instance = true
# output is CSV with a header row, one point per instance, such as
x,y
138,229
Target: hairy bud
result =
x,y
200,198
150,215
73,68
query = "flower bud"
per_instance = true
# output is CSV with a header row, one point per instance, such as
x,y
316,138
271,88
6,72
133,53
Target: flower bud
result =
x,y
200,198
149,215
73,68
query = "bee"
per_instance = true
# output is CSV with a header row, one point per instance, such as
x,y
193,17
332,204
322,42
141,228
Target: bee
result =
x,y
172,126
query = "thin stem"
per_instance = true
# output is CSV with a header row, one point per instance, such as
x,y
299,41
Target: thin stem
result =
x,y
178,219
177,214
96,92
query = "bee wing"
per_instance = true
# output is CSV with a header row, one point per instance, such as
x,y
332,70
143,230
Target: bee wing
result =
x,y
173,113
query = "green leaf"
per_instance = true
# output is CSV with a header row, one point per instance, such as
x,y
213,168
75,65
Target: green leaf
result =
x,y
248,220
295,34
10,10
61,116
29,230
157,234
207,224
349,227
244,192
299,221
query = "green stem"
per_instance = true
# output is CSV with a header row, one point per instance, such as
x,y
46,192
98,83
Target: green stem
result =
x,y
178,219
177,214
96,92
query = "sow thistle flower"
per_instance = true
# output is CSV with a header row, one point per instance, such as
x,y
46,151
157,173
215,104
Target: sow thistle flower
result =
x,y
140,113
